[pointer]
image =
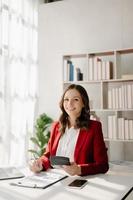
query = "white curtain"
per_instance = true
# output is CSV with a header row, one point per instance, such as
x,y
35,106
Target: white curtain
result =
x,y
18,78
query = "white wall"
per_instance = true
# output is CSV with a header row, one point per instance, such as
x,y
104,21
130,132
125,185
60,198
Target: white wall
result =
x,y
74,26
77,26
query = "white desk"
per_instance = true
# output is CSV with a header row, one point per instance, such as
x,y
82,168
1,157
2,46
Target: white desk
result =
x,y
111,186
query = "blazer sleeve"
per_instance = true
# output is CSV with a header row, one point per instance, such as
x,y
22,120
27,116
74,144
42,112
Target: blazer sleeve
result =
x,y
100,158
49,149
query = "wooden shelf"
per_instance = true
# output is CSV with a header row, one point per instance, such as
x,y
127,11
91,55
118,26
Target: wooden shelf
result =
x,y
98,89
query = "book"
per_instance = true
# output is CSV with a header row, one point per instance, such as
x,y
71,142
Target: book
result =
x,y
110,127
103,70
40,180
66,70
71,71
130,129
99,69
91,69
126,125
10,173
109,70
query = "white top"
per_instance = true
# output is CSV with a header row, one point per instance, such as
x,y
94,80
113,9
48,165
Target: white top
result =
x,y
67,143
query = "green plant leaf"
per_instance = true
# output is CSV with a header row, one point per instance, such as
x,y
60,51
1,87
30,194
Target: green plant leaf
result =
x,y
42,134
35,141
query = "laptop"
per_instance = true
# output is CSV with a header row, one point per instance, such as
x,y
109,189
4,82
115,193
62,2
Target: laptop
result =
x,y
10,173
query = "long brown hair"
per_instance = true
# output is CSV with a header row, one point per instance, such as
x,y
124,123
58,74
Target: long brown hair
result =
x,y
83,120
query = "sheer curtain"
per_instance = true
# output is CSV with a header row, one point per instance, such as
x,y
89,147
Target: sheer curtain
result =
x,y
18,78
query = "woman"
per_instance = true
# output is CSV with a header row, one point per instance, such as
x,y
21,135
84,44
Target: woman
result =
x,y
76,136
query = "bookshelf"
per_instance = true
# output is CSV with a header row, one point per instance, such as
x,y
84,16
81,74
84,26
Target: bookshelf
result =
x,y
108,79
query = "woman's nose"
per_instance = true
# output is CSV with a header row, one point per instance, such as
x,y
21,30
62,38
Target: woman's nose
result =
x,y
70,102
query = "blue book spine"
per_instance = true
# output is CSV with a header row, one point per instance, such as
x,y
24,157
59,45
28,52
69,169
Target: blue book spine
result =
x,y
71,71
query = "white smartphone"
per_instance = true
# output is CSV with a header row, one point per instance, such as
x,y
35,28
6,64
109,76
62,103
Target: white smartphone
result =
x,y
78,183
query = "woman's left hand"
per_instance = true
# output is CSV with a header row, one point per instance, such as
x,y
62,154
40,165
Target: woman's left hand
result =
x,y
72,169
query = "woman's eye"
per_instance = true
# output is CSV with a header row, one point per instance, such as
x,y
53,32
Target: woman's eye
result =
x,y
76,99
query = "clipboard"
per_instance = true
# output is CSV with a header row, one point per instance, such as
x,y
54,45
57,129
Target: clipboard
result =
x,y
41,180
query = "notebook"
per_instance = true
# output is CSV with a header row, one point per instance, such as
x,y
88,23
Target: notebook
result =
x,y
10,173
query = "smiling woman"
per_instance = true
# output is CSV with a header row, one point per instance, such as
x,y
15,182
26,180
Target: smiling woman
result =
x,y
75,136
73,105
18,77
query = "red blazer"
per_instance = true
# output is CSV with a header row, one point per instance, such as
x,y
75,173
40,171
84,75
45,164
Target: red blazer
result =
x,y
90,151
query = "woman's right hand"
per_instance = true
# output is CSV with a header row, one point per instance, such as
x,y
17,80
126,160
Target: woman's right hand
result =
x,y
36,166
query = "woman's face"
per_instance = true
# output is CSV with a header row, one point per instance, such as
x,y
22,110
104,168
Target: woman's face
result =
x,y
73,103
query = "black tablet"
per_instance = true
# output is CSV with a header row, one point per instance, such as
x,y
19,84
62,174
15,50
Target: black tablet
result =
x,y
59,160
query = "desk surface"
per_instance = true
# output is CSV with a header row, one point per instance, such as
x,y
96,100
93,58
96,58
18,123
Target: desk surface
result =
x,y
110,186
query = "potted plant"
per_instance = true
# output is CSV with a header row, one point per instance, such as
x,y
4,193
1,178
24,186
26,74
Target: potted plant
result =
x,y
42,134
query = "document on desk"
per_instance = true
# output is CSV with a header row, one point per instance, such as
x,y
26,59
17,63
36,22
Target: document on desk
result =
x,y
10,173
40,180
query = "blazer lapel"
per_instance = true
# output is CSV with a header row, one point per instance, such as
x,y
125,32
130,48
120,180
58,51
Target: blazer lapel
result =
x,y
80,142
55,144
